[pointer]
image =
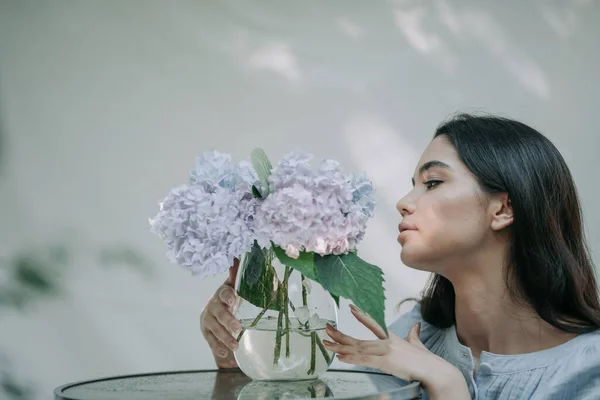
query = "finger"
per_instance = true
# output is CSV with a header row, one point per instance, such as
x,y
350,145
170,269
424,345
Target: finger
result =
x,y
367,321
339,336
361,359
227,295
222,334
233,270
215,344
226,318
413,336
375,348
339,348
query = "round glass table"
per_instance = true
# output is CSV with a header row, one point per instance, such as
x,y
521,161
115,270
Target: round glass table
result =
x,y
232,384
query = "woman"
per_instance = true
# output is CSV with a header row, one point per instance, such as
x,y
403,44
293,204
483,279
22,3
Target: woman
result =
x,y
512,309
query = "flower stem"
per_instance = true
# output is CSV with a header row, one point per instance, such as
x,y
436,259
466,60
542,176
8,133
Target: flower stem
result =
x,y
323,351
254,322
313,353
277,352
268,264
258,317
283,302
287,331
314,339
304,291
288,273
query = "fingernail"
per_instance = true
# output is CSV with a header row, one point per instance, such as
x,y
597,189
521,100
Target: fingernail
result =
x,y
222,353
233,345
327,343
354,308
230,301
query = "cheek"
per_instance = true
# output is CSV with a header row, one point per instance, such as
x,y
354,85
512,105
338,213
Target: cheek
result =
x,y
448,225
454,213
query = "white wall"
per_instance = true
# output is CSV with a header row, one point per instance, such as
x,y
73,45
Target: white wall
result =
x,y
105,104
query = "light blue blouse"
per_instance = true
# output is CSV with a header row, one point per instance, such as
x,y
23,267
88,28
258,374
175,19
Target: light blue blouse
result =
x,y
570,371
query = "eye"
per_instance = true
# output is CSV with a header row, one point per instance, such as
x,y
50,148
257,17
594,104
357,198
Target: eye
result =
x,y
432,183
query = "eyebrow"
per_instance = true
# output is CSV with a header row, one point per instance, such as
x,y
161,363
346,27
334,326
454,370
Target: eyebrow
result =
x,y
431,164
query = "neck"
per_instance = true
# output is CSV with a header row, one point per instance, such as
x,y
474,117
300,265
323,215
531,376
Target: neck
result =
x,y
489,319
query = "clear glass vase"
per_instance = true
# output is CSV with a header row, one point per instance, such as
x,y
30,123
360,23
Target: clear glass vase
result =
x,y
283,315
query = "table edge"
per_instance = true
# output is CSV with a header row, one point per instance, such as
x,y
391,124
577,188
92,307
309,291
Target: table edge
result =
x,y
59,395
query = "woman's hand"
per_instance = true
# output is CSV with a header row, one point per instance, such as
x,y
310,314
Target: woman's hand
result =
x,y
406,359
217,323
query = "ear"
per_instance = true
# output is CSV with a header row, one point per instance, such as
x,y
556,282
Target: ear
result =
x,y
502,211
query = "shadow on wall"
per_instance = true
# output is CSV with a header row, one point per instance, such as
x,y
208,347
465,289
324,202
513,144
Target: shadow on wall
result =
x,y
37,273
440,34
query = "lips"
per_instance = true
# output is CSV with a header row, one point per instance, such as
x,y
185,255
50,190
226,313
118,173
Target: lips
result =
x,y
404,226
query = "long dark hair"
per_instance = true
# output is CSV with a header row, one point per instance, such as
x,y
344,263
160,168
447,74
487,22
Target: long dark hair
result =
x,y
549,263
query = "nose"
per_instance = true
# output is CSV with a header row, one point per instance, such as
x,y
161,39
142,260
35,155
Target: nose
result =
x,y
406,205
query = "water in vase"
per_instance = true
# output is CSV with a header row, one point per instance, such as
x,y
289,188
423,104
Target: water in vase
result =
x,y
256,352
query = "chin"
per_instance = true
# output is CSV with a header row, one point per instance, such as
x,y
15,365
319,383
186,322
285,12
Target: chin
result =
x,y
415,259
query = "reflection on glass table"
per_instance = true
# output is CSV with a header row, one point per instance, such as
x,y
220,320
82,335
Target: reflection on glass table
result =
x,y
234,385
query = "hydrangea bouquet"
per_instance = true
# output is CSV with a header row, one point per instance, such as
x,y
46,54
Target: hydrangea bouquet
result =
x,y
308,218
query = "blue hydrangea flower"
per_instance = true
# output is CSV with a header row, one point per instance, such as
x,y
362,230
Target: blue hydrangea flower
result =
x,y
313,209
209,222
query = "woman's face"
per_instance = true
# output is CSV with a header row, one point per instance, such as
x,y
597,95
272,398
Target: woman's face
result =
x,y
445,216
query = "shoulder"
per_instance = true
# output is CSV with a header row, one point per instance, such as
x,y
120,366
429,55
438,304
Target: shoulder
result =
x,y
402,325
583,355
578,373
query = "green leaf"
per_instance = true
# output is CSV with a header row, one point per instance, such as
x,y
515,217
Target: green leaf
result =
x,y
263,168
256,192
257,283
336,298
351,277
305,263
254,264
